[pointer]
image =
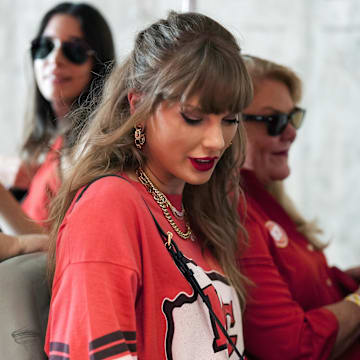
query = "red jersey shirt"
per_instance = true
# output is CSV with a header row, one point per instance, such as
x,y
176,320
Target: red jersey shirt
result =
x,y
44,185
292,281
117,293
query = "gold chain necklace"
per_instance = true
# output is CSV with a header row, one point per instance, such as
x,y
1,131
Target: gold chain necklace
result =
x,y
163,202
178,214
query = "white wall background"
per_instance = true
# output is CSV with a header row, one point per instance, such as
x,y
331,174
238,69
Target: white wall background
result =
x,y
320,39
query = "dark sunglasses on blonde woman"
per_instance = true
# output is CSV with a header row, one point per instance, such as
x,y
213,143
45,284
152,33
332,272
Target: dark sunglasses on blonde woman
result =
x,y
76,51
276,123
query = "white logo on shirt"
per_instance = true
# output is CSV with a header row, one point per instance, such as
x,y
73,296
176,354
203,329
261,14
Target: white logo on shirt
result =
x,y
191,331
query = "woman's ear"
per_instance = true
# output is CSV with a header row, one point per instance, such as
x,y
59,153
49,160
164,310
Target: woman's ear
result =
x,y
133,99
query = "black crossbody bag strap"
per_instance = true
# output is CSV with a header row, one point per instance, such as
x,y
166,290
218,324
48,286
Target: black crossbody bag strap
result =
x,y
181,264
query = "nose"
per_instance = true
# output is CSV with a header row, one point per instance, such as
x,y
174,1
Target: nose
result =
x,y
289,133
56,56
213,138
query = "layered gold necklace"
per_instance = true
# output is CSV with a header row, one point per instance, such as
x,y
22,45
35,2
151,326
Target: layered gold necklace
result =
x,y
164,204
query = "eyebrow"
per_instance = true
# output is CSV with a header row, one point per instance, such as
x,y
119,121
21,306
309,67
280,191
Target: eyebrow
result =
x,y
191,107
69,39
196,110
76,38
270,108
199,110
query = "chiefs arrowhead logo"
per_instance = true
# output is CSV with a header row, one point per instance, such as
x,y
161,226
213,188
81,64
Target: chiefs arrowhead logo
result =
x,y
189,321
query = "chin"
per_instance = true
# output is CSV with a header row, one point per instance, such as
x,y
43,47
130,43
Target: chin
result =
x,y
198,180
52,94
280,175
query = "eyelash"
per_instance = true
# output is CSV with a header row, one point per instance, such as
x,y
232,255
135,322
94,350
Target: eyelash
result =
x,y
197,121
189,120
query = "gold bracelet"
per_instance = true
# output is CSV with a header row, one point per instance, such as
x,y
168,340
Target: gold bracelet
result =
x,y
355,298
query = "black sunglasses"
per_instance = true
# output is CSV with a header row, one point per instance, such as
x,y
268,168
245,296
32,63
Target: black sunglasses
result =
x,y
76,51
277,123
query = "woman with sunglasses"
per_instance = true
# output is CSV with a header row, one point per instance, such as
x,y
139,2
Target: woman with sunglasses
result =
x,y
298,307
71,55
165,126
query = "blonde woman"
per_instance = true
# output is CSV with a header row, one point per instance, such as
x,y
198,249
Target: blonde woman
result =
x,y
298,308
168,124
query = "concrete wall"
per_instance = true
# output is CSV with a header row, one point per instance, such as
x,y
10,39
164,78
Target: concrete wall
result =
x,y
320,39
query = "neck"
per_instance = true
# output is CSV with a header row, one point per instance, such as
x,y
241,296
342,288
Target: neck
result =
x,y
261,179
165,204
173,187
60,108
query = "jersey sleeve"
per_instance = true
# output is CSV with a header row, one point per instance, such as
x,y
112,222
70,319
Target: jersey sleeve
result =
x,y
93,313
275,326
98,276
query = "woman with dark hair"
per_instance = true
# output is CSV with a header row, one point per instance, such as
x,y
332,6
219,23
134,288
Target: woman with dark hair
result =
x,y
299,307
72,54
155,160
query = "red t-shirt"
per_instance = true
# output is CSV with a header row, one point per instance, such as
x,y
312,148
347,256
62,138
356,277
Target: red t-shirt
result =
x,y
292,281
44,186
117,293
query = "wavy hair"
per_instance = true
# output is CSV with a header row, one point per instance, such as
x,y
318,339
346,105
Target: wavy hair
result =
x,y
173,59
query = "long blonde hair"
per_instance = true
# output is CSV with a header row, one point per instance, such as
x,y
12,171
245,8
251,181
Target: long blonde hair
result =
x,y
173,59
260,69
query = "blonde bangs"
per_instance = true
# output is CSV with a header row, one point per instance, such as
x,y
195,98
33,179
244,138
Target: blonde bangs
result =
x,y
217,76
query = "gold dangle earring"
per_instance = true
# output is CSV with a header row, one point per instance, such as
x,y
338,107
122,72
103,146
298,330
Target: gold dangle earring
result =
x,y
139,137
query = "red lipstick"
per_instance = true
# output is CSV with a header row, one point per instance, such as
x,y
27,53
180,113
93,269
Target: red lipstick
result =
x,y
203,164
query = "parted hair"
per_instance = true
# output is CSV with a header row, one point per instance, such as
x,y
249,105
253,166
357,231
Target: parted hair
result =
x,y
260,69
174,59
42,126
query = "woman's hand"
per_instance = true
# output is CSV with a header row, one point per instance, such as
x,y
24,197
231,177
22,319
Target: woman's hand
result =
x,y
13,219
33,242
11,246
